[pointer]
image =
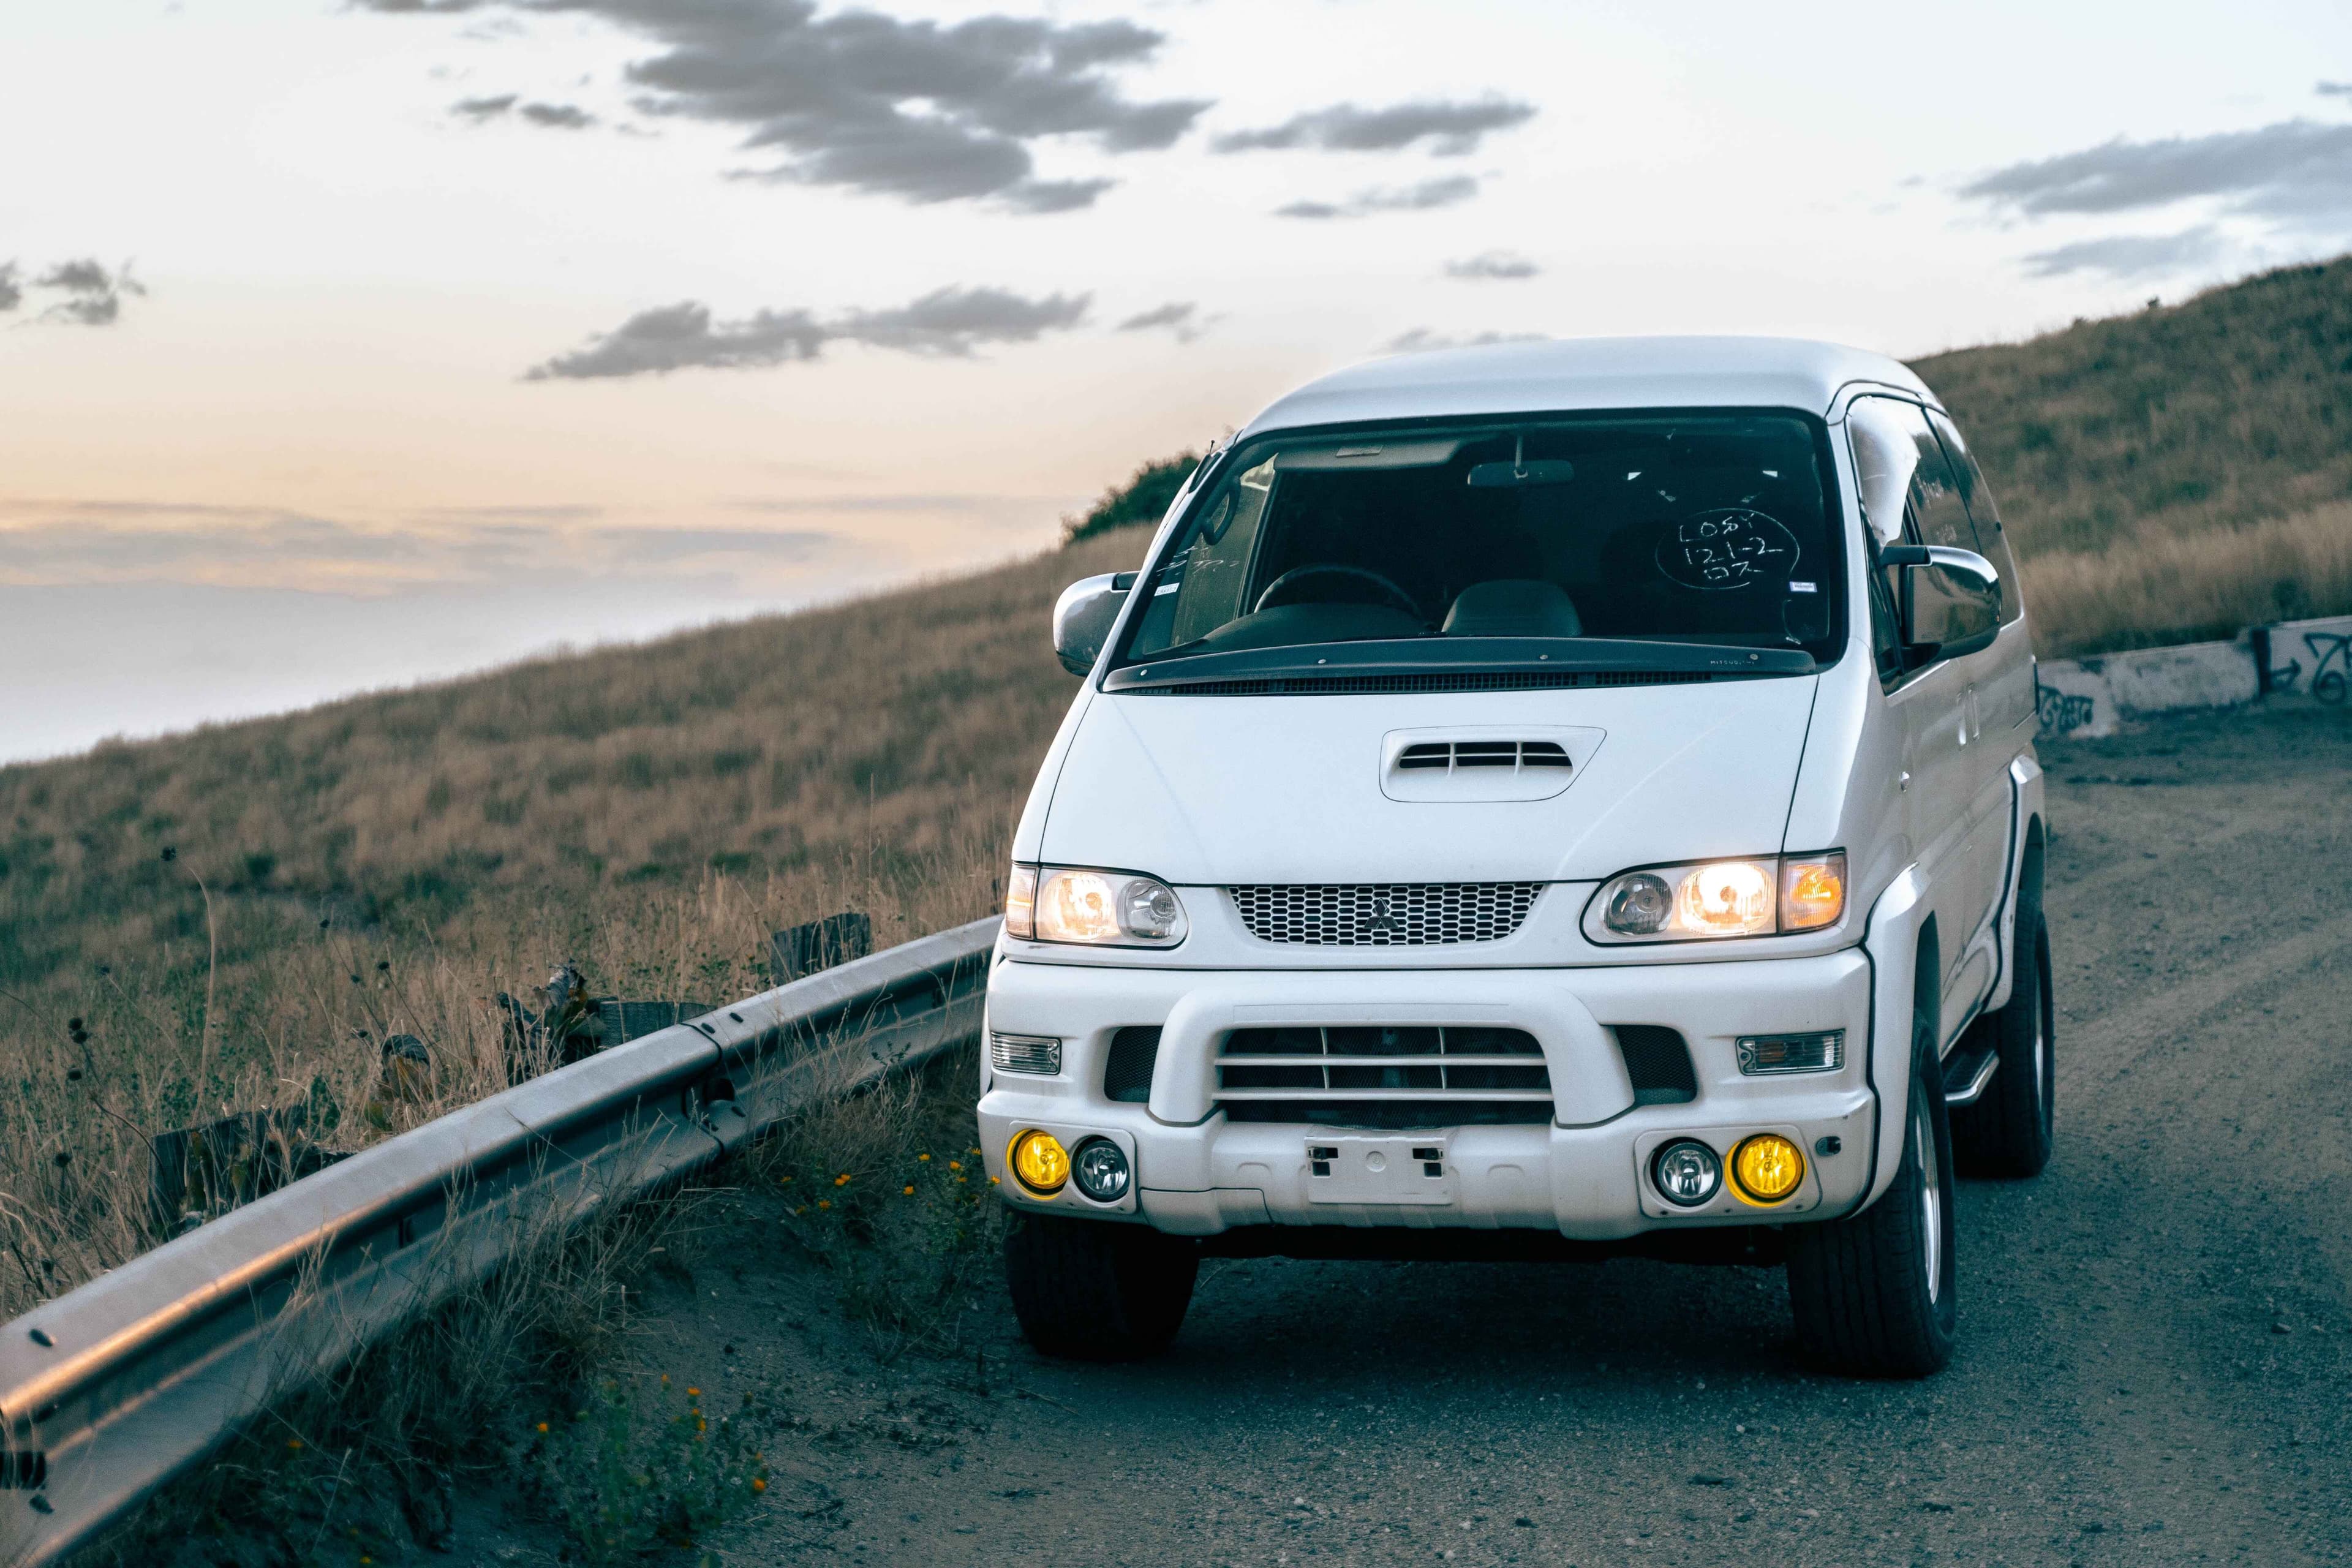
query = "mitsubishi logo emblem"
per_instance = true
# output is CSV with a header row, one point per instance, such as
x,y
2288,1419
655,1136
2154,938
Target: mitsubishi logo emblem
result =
x,y
1381,920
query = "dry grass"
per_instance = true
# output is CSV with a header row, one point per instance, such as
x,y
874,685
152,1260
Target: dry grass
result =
x,y
2227,409
2159,588
377,867
498,1387
2144,464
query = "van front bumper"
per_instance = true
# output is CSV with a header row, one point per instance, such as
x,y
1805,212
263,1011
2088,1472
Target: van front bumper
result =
x,y
1584,1175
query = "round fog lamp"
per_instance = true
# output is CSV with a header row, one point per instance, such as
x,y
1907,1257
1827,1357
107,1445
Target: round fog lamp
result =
x,y
1100,1170
1039,1161
1686,1174
1768,1167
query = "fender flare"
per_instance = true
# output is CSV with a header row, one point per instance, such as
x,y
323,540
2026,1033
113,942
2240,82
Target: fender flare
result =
x,y
1891,942
2025,817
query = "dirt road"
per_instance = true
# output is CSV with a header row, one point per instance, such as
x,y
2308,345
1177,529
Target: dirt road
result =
x,y
2156,1358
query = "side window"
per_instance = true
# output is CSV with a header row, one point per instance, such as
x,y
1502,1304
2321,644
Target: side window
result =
x,y
1936,503
1200,587
1992,543
1895,452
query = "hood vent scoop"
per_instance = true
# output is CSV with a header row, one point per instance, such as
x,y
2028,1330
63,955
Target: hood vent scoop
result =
x,y
1512,754
1465,764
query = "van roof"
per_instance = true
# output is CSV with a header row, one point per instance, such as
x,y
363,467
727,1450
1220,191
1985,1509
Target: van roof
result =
x,y
1548,374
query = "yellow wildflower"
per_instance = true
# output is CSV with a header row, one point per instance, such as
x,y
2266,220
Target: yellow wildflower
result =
x,y
925,1158
758,1483
825,1203
955,1165
908,1190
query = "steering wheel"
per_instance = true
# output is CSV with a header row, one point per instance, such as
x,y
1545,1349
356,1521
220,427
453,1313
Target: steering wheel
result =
x,y
1388,590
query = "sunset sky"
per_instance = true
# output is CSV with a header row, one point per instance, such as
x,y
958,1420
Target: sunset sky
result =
x,y
346,344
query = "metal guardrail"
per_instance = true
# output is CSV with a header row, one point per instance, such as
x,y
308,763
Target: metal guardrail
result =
x,y
109,1391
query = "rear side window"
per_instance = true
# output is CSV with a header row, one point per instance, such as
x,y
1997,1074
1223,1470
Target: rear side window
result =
x,y
1992,543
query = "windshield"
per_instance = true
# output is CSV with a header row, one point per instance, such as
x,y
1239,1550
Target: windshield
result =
x,y
1709,528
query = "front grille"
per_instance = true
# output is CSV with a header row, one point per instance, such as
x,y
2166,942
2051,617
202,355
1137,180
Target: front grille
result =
x,y
1385,915
1387,1078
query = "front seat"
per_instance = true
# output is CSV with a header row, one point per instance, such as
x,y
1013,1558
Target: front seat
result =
x,y
1513,607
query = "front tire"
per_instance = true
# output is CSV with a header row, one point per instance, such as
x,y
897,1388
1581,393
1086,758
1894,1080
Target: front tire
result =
x,y
1874,1293
1098,1289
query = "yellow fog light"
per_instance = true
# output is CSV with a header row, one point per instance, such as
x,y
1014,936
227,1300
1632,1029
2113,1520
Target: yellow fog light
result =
x,y
1768,1167
1040,1161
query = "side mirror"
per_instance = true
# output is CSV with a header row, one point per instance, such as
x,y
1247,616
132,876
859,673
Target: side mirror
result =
x,y
1084,615
1951,601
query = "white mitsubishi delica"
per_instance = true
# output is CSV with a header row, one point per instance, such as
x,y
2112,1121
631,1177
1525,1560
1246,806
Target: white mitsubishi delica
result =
x,y
1546,799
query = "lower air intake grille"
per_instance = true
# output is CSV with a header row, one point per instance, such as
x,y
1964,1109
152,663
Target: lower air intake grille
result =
x,y
1385,1077
1390,915
1659,1062
1127,1075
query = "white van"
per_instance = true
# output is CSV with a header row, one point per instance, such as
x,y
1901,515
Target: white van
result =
x,y
1549,799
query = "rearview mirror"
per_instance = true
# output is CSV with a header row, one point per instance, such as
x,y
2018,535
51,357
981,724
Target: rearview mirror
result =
x,y
1951,601
1084,615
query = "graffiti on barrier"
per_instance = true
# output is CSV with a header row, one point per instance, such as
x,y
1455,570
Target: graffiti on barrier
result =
x,y
2062,713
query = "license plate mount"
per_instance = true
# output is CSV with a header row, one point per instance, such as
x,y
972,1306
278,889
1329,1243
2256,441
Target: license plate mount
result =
x,y
1352,1168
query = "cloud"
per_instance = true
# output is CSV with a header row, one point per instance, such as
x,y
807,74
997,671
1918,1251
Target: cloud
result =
x,y
1493,264
1179,317
91,541
557,116
1451,129
2297,170
922,110
2334,88
2129,256
93,296
1422,339
948,323
1428,193
12,293
552,116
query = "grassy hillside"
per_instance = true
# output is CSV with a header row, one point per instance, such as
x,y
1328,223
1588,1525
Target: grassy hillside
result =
x,y
2178,472
377,867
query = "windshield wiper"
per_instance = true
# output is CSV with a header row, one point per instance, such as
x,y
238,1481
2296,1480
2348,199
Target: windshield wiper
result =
x,y
1501,662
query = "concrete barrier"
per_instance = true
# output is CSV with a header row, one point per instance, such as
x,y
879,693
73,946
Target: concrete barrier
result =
x,y
2091,697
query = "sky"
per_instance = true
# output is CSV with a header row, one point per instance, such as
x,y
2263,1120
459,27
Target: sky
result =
x,y
345,343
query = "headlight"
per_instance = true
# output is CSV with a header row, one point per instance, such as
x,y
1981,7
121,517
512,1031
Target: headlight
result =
x,y
1100,909
1777,894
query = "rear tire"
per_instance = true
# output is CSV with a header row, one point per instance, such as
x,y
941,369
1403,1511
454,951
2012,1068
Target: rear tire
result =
x,y
1098,1289
1874,1293
2009,1130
